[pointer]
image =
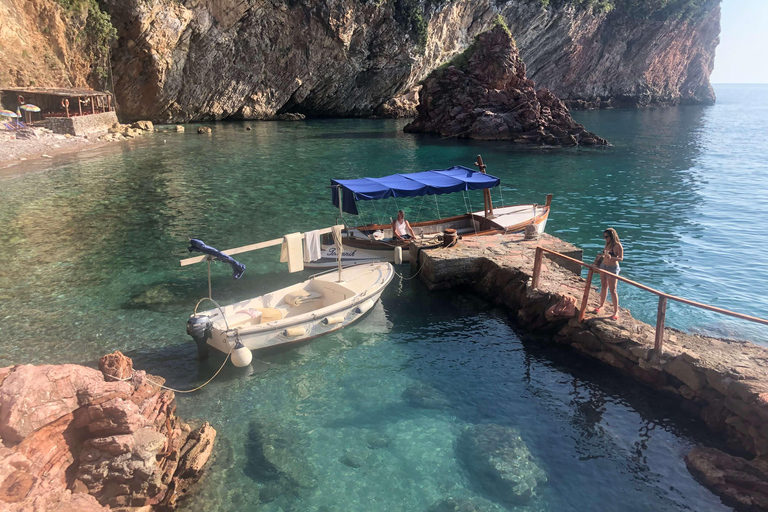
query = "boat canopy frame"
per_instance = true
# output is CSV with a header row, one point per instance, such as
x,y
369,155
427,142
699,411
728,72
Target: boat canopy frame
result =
x,y
435,182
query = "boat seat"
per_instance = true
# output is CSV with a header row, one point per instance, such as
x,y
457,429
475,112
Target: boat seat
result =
x,y
270,314
299,297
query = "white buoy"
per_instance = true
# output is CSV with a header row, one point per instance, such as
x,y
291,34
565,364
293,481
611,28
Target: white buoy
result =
x,y
331,320
241,356
398,255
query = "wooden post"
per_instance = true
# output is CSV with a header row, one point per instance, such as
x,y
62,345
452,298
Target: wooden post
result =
x,y
536,268
487,203
585,298
661,314
80,105
93,105
66,106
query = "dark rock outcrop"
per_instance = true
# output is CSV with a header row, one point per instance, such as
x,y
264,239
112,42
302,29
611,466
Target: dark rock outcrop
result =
x,y
75,440
740,482
484,94
498,460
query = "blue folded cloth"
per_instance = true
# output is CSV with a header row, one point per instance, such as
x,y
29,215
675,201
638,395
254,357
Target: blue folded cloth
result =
x,y
197,245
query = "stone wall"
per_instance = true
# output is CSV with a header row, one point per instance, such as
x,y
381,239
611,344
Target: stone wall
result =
x,y
91,124
724,382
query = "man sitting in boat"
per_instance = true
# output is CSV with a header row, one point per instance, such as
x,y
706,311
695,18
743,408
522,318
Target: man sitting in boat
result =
x,y
401,228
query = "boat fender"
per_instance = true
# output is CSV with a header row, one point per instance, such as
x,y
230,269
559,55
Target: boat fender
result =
x,y
364,306
333,320
294,331
398,255
21,99
200,327
241,356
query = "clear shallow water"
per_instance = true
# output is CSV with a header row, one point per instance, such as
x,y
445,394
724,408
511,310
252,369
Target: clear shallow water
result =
x,y
91,249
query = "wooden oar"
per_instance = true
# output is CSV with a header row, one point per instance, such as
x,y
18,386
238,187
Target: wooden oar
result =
x,y
247,248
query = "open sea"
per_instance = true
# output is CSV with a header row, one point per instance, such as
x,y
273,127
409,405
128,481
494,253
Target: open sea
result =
x,y
371,418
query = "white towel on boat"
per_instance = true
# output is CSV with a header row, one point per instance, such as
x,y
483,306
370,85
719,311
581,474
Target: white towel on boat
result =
x,y
312,246
291,252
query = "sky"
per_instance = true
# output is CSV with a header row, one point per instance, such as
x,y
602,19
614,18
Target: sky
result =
x,y
742,55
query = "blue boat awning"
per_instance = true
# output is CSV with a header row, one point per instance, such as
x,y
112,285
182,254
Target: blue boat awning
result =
x,y
445,181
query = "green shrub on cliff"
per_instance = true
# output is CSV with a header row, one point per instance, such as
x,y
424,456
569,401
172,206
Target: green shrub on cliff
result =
x,y
655,9
92,28
410,14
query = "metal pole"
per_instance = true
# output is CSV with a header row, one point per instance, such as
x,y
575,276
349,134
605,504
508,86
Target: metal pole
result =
x,y
536,268
210,295
340,247
585,298
661,313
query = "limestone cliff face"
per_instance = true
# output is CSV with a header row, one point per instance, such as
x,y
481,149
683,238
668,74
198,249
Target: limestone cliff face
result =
x,y
182,60
617,59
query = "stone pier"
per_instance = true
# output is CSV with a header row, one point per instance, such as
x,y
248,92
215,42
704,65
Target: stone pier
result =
x,y
724,382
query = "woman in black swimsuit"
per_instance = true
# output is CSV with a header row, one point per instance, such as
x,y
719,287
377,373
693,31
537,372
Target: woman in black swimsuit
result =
x,y
613,253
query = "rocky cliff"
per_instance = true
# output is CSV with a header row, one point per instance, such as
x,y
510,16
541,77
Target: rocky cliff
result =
x,y
484,94
182,60
76,439
54,43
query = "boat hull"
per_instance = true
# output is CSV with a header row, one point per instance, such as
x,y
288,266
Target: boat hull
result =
x,y
358,248
357,294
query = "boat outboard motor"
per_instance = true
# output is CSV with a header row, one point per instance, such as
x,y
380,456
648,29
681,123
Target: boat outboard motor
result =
x,y
199,327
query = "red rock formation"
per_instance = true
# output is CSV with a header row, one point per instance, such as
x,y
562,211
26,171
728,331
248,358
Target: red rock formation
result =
x,y
484,94
76,439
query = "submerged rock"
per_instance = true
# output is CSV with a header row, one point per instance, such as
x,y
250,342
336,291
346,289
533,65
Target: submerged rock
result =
x,y
353,459
274,457
484,94
204,130
740,482
457,505
68,428
425,396
499,462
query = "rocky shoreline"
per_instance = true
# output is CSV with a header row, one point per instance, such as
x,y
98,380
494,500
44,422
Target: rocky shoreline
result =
x,y
723,382
79,439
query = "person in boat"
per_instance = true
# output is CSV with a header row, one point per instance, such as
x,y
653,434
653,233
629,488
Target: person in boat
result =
x,y
608,260
401,228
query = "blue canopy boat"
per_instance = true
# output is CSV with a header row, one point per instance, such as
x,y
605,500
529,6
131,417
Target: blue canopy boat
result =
x,y
374,242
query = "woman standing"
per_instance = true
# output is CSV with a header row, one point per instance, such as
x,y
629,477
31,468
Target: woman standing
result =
x,y
612,254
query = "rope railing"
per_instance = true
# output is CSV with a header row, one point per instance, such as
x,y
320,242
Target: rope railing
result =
x,y
661,311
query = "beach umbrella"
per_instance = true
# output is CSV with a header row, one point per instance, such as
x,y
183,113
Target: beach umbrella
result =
x,y
7,113
28,107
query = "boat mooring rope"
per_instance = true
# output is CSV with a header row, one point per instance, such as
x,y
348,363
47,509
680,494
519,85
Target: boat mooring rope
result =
x,y
232,348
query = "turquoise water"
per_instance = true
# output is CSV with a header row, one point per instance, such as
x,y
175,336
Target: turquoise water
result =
x,y
90,265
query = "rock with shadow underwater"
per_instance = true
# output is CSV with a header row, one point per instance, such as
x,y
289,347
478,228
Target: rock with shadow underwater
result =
x,y
275,459
157,298
425,396
458,505
499,463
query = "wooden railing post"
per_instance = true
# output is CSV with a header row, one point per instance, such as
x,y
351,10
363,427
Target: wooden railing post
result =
x,y
661,314
585,298
536,268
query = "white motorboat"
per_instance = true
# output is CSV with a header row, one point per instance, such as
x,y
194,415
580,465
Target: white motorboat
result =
x,y
322,304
